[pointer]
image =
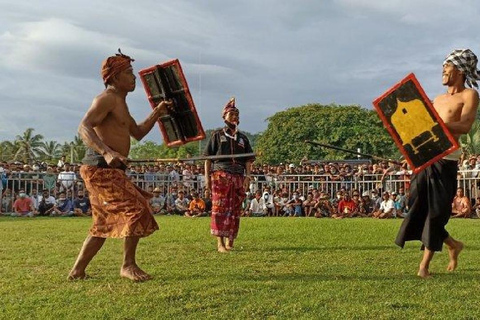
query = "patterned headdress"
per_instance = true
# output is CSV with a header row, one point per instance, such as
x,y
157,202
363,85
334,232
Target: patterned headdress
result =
x,y
230,106
114,65
466,61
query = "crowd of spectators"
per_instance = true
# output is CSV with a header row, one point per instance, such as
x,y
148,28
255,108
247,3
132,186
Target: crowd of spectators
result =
x,y
340,189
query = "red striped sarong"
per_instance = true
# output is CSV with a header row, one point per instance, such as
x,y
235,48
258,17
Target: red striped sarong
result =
x,y
119,208
227,197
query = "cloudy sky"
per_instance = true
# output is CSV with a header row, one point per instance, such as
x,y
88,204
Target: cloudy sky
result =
x,y
270,55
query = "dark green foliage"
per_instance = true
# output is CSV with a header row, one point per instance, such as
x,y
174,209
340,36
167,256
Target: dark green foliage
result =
x,y
349,127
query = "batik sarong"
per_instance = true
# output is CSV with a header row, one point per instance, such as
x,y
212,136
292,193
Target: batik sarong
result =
x,y
430,205
227,197
119,208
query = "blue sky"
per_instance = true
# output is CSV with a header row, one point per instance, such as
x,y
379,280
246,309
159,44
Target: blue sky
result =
x,y
270,55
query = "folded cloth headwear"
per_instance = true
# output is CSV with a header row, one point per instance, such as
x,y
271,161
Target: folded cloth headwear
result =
x,y
230,106
466,61
114,65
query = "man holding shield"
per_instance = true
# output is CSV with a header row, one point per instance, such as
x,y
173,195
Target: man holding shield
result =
x,y
433,189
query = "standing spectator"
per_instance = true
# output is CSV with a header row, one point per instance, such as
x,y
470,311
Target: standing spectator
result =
x,y
461,207
66,178
61,162
49,180
23,206
187,176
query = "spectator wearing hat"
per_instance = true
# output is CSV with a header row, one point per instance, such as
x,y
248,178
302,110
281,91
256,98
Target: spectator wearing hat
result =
x,y
157,202
387,208
366,204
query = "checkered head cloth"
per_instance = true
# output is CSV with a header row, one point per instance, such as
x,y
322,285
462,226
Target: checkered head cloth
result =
x,y
466,61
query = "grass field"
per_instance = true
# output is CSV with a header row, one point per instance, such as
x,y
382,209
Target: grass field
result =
x,y
283,268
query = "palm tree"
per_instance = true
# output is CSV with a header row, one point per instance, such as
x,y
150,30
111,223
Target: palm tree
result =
x,y
50,150
75,148
470,142
7,150
28,145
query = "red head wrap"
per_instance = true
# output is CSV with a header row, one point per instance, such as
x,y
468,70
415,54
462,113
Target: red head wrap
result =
x,y
230,106
114,65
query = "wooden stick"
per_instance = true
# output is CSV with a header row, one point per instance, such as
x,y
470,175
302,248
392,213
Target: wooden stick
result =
x,y
353,152
215,157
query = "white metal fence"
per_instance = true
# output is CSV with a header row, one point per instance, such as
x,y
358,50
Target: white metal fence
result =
x,y
34,183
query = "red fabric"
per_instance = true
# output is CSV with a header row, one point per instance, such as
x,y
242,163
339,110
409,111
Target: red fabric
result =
x,y
114,65
227,197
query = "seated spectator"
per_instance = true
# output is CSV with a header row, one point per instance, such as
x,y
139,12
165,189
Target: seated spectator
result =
x,y
268,200
35,199
294,206
207,198
63,207
461,207
257,206
81,205
387,208
196,207
50,180
476,207
23,206
356,198
181,203
308,204
170,201
398,205
366,204
346,207
7,202
45,206
157,202
323,207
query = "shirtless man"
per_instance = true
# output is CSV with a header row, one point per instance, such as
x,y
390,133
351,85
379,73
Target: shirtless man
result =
x,y
119,208
461,207
429,211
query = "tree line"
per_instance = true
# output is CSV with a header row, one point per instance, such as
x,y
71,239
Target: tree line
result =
x,y
350,127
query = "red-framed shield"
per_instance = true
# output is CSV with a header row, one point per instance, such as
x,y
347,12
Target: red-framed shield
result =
x,y
416,128
167,81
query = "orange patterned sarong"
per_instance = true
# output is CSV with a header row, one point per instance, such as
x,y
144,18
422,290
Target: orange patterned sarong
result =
x,y
119,208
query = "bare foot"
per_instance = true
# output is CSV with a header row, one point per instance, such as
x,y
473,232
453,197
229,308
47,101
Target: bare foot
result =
x,y
423,273
134,273
229,245
222,249
77,275
453,254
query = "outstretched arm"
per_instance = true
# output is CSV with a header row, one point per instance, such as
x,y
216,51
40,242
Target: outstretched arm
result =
x,y
138,131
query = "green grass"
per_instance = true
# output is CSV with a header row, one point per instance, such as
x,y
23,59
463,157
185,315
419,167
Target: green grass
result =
x,y
283,268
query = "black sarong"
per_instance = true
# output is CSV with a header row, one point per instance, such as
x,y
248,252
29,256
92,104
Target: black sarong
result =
x,y
430,205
